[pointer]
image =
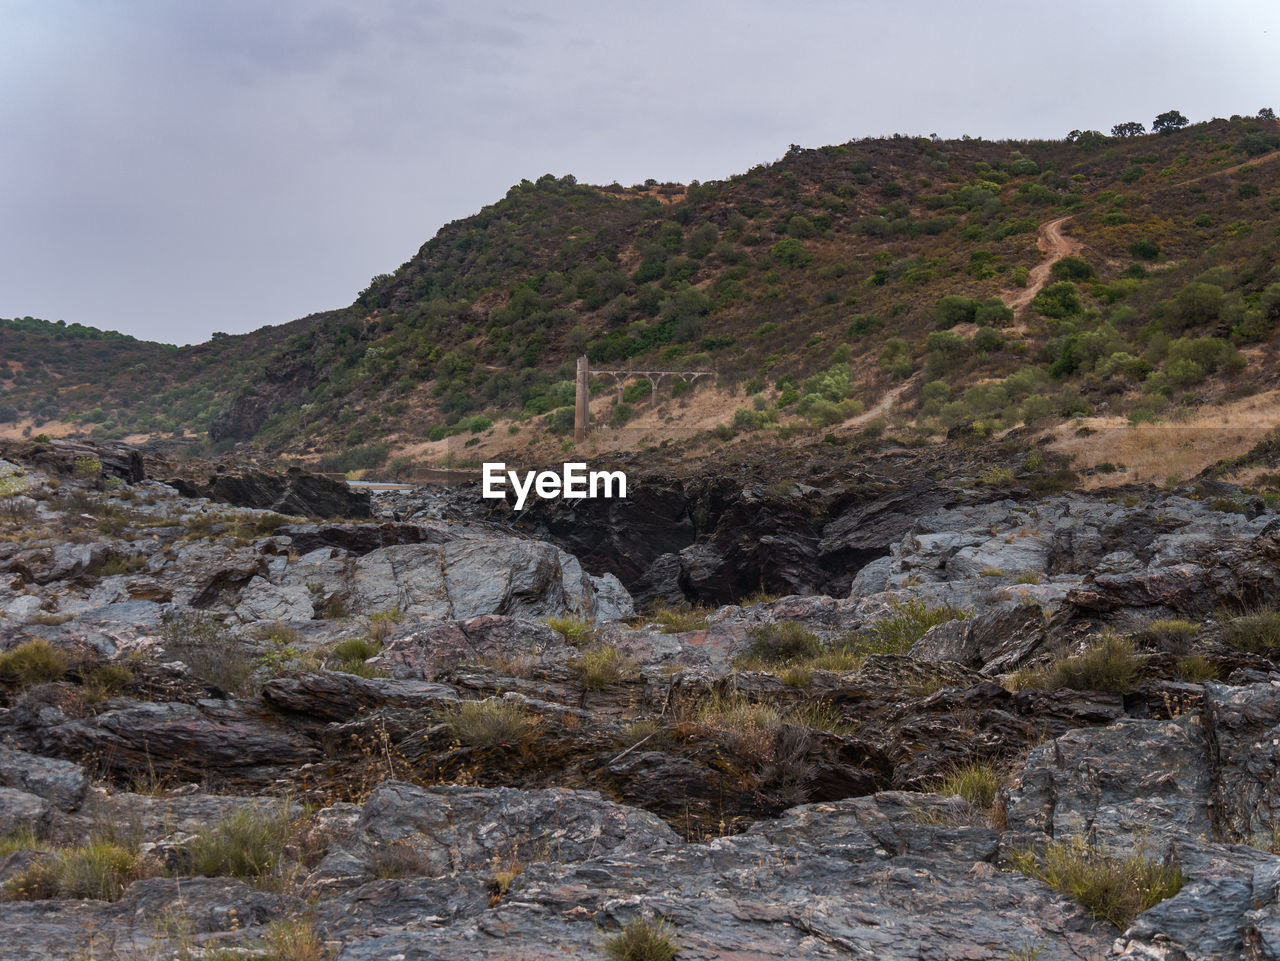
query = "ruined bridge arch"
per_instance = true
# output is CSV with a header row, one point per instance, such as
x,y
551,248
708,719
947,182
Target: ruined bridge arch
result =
x,y
582,411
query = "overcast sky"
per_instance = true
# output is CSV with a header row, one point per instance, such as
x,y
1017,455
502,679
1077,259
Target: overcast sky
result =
x,y
169,168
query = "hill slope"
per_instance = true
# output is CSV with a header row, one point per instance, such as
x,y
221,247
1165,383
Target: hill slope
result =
x,y
813,286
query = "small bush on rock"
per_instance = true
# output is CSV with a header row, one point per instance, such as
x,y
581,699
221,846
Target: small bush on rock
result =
x,y
575,630
977,782
490,722
350,657
244,844
1111,665
677,620
1174,636
905,624
1112,888
602,666
645,940
34,662
1258,633
783,641
99,869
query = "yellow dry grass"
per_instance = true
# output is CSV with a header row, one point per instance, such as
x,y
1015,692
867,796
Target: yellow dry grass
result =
x,y
1153,453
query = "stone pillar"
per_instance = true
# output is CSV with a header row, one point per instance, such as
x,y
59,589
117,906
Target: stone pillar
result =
x,y
582,397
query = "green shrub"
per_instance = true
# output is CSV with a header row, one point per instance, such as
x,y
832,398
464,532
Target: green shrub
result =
x,y
1113,889
978,782
677,620
954,309
1072,268
488,723
32,662
944,350
244,844
105,681
88,467
1168,634
987,341
1144,249
350,656
791,252
99,869
1111,665
1057,300
1258,633
602,666
993,313
782,641
906,623
644,940
575,630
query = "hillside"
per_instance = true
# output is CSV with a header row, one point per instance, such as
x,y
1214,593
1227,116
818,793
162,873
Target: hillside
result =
x,y
813,286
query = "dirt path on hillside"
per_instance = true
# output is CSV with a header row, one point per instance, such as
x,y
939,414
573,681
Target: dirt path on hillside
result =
x,y
1230,170
1055,245
883,404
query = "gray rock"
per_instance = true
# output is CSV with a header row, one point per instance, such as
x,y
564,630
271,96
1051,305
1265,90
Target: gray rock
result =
x,y
450,828
1244,731
874,878
1116,783
423,650
61,782
994,641
334,696
19,810
188,741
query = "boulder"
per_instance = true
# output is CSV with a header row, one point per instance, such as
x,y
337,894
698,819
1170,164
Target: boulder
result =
x,y
62,783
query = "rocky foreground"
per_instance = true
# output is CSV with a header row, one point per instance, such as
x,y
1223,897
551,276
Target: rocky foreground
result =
x,y
1036,727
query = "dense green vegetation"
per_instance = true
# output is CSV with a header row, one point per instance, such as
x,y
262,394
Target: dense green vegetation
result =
x,y
815,282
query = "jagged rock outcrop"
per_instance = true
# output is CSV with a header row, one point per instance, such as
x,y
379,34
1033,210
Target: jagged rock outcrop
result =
x,y
294,492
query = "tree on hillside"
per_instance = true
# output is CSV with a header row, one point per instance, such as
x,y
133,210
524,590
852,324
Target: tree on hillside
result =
x,y
1266,113
1130,128
1169,121
1087,140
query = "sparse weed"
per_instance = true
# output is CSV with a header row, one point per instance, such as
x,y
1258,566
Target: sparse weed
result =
x,y
796,675
23,839
1111,665
602,666
575,630
293,939
644,940
32,662
1197,667
245,844
678,620
104,681
1111,888
197,639
487,723
978,782
400,859
1257,633
383,624
823,716
782,641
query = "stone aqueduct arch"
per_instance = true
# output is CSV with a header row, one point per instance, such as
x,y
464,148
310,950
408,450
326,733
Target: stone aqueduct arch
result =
x,y
581,409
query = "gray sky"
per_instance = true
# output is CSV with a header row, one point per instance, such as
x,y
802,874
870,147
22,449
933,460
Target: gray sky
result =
x,y
169,168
